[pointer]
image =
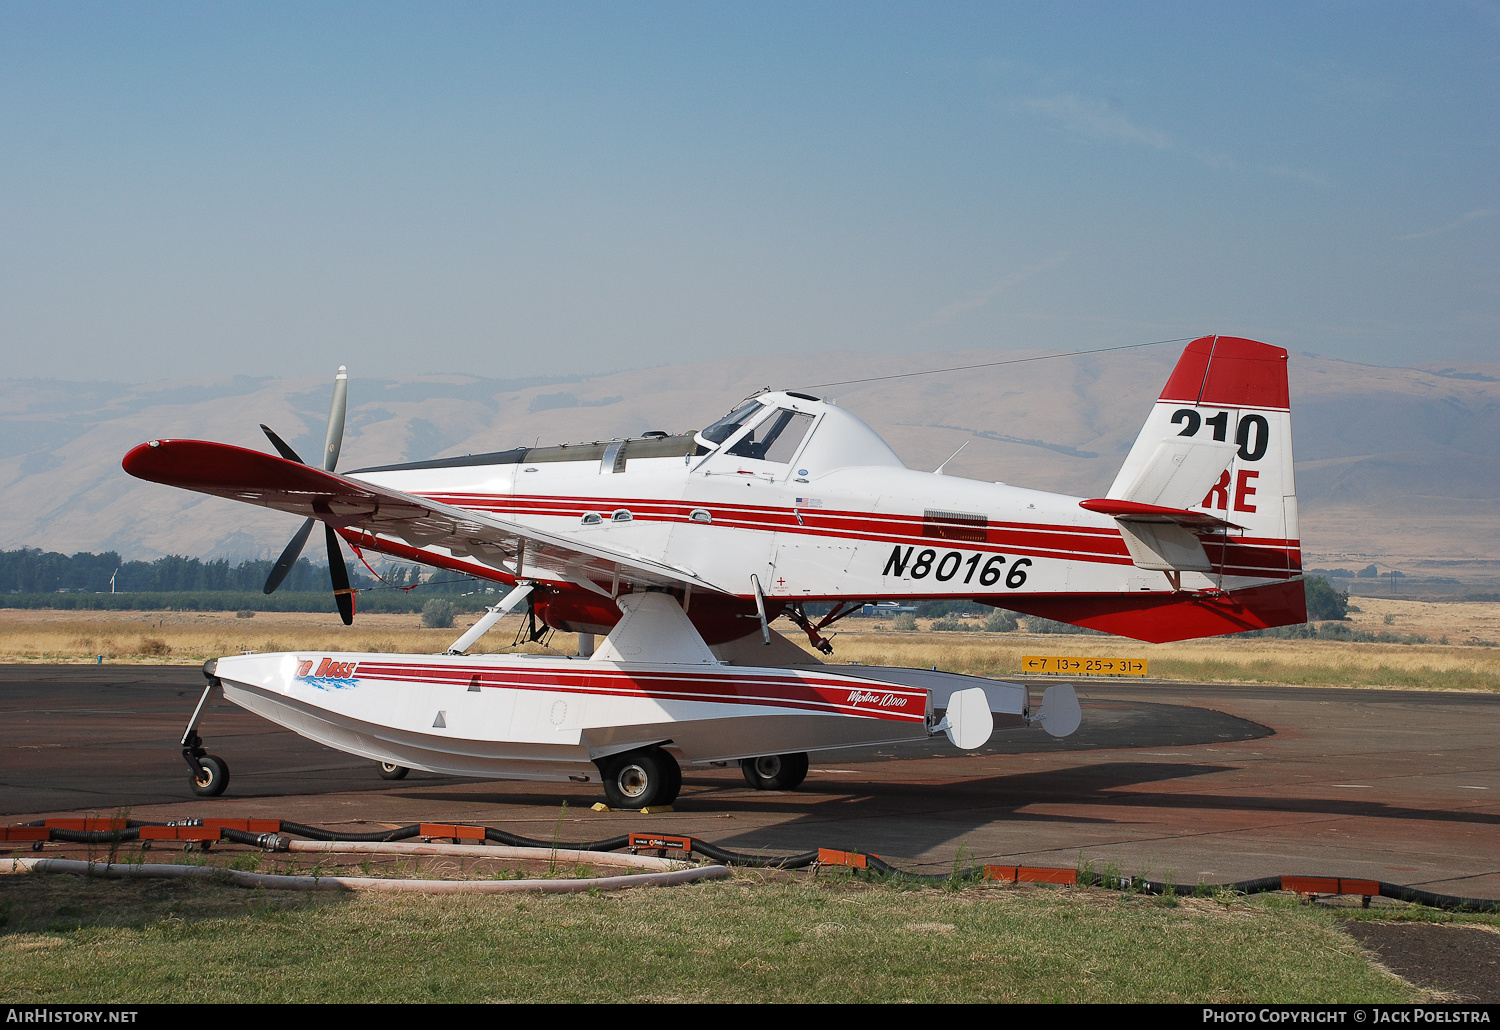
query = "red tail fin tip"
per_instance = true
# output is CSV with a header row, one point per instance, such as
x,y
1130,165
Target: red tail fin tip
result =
x,y
1230,371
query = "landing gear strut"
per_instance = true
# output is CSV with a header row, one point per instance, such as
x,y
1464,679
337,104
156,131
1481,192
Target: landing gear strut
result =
x,y
210,772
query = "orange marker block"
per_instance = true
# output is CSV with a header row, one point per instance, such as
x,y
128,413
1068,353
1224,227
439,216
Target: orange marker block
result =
x,y
247,825
92,824
1330,885
1031,874
198,833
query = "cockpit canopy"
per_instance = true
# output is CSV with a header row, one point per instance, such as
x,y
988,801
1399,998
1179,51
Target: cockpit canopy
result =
x,y
730,424
782,428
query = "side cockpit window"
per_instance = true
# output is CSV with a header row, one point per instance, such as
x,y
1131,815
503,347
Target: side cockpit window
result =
x,y
776,438
730,424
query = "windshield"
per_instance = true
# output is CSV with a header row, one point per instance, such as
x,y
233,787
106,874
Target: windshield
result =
x,y
776,438
730,423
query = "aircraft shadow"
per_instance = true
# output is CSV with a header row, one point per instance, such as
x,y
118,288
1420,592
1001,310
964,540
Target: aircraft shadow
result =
x,y
920,816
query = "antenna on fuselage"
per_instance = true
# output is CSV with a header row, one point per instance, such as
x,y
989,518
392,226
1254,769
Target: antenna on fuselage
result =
x,y
939,470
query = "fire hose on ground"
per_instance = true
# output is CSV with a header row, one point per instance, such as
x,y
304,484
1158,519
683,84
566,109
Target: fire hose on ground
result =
x,y
280,835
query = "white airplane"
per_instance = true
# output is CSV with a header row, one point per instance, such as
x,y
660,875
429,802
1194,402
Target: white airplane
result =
x,y
683,550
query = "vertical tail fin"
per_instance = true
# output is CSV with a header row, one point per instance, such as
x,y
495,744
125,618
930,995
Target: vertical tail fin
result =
x,y
1219,440
1206,496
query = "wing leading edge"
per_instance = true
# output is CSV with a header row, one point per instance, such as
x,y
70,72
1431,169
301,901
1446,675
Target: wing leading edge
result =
x,y
254,477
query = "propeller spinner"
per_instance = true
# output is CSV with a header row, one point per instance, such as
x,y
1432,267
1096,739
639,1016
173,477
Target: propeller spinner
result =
x,y
338,571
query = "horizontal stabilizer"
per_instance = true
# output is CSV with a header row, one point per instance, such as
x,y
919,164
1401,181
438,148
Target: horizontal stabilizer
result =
x,y
1134,511
1163,547
1160,539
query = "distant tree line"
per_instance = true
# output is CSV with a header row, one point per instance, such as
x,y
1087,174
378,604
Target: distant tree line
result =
x,y
33,571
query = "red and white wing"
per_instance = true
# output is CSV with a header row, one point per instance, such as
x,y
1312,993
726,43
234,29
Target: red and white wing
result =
x,y
352,504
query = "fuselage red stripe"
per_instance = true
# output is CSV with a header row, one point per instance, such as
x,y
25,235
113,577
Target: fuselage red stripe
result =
x,y
1092,544
1243,555
1089,543
901,704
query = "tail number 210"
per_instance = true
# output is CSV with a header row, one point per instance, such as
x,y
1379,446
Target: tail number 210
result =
x,y
921,564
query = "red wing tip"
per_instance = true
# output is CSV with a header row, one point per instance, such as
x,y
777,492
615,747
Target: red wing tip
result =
x,y
140,458
137,454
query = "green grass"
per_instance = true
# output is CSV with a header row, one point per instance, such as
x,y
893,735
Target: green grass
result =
x,y
751,938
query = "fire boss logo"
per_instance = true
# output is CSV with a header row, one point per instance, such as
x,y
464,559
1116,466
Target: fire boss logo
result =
x,y
864,697
329,673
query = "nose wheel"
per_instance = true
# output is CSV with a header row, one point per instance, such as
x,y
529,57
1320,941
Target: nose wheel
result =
x,y
211,776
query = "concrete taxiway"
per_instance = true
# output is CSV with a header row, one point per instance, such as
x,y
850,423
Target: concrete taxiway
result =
x,y
1207,782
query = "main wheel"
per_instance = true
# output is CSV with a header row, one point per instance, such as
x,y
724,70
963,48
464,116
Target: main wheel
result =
x,y
212,777
672,784
392,771
637,779
775,772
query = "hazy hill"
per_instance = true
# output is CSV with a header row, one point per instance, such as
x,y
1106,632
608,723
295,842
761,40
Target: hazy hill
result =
x,y
1395,466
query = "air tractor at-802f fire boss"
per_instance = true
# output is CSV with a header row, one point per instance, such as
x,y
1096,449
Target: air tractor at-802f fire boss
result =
x,y
683,550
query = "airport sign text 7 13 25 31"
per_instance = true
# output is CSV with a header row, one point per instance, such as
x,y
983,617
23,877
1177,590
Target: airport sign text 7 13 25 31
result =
x,y
1084,666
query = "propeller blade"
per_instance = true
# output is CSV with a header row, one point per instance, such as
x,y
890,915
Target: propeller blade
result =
x,y
291,554
335,439
281,445
339,572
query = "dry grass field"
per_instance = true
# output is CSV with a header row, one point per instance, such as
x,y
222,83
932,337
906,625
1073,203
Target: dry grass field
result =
x,y
187,638
1463,663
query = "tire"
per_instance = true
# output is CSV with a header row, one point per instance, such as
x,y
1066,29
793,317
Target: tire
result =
x,y
775,772
212,777
672,783
392,771
636,779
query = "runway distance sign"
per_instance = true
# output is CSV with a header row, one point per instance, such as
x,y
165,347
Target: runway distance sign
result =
x,y
1084,666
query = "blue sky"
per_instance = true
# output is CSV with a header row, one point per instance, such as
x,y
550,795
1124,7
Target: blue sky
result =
x,y
546,189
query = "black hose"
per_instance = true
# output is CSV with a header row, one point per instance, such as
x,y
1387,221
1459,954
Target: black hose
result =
x,y
264,841
1443,901
874,864
884,868
517,841
94,836
802,861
